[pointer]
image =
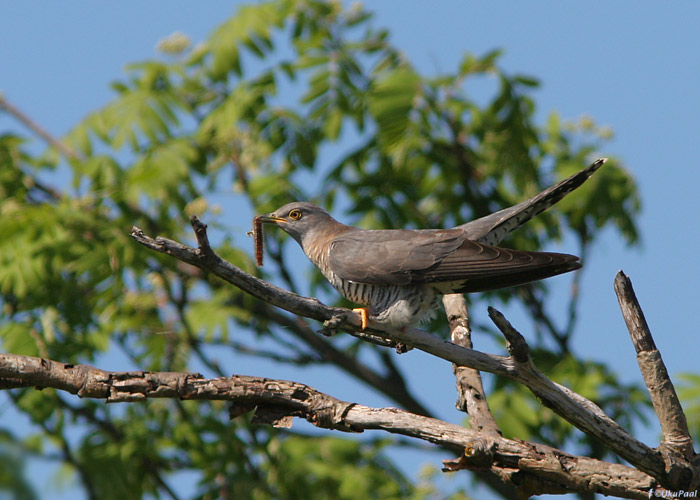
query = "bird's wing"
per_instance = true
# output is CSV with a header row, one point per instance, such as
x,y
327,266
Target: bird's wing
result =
x,y
439,256
492,228
390,257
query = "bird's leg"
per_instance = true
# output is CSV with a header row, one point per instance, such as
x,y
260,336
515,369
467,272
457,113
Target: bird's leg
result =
x,y
330,326
362,311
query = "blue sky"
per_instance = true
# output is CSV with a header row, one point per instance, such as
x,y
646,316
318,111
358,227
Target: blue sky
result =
x,y
633,66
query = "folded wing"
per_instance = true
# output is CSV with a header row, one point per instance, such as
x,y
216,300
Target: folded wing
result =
x,y
443,257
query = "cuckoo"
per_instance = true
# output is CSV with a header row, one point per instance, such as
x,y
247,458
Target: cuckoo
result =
x,y
398,275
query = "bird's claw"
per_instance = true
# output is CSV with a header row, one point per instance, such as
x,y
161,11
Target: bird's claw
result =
x,y
331,326
402,348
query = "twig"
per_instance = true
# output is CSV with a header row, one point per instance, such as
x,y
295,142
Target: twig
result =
x,y
536,307
575,294
38,129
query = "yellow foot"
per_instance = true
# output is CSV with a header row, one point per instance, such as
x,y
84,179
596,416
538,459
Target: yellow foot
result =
x,y
362,311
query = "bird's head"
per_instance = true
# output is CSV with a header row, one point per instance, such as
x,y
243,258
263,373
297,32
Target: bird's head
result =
x,y
299,219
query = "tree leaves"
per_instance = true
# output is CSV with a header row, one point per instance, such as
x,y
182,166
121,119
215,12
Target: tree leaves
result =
x,y
391,100
251,28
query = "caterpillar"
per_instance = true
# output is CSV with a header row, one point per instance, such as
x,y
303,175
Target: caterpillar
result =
x,y
258,240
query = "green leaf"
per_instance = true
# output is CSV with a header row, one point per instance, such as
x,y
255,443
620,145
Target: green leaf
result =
x,y
251,25
391,100
333,125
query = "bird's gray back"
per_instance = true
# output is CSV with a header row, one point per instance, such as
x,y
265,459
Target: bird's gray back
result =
x,y
390,257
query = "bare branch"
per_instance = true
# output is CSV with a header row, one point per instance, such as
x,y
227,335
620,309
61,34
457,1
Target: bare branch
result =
x,y
38,129
674,426
573,407
206,259
471,397
534,468
535,305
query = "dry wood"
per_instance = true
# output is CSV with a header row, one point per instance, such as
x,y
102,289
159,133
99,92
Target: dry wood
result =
x,y
471,397
676,443
536,469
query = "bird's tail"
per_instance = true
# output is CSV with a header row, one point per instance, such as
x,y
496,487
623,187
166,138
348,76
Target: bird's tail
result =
x,y
492,228
557,263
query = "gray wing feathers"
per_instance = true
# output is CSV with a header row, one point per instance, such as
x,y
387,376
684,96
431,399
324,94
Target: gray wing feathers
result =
x,y
441,256
494,227
390,257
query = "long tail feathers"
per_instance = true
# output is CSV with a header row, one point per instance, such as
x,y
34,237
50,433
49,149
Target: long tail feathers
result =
x,y
492,228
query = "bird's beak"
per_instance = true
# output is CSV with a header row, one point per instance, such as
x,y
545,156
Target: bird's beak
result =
x,y
270,219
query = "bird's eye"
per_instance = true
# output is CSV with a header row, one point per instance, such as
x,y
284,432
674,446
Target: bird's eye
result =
x,y
295,214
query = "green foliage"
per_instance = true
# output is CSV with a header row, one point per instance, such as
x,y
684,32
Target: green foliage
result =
x,y
334,468
13,483
253,112
689,393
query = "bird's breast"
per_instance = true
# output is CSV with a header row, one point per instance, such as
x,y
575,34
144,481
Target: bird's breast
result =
x,y
397,305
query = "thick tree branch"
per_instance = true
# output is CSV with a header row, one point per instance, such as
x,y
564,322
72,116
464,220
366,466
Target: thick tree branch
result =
x,y
534,468
471,397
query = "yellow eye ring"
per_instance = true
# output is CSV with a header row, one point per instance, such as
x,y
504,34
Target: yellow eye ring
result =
x,y
295,214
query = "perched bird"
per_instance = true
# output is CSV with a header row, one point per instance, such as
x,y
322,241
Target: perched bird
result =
x,y
399,274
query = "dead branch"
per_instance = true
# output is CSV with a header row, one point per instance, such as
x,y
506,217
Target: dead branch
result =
x,y
676,444
532,467
471,397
